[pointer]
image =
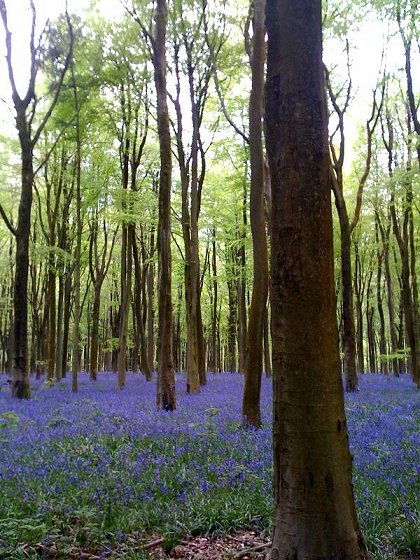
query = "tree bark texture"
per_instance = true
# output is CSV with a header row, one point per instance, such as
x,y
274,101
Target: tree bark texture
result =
x,y
20,373
314,506
165,397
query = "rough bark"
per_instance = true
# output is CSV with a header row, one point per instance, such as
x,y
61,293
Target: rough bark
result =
x,y
314,506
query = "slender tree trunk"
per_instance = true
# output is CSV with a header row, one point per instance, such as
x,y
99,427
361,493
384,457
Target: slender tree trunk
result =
x,y
267,356
389,291
232,327
94,343
150,316
125,295
213,354
66,324
241,288
60,320
165,397
359,293
348,338
379,302
138,289
251,413
201,343
20,373
52,314
315,514
75,363
407,297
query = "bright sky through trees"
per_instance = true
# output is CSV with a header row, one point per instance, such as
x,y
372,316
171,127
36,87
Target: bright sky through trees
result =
x,y
366,47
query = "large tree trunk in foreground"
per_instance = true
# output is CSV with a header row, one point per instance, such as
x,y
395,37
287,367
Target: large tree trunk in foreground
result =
x,y
315,514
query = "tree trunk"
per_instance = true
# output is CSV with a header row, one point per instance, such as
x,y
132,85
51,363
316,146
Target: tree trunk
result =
x,y
407,296
379,302
52,310
251,413
75,362
125,297
165,396
66,324
389,291
348,338
20,373
241,288
232,327
138,289
267,356
213,353
315,514
201,343
94,342
150,316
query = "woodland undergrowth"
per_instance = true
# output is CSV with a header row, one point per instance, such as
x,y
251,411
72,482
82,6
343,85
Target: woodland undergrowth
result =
x,y
102,472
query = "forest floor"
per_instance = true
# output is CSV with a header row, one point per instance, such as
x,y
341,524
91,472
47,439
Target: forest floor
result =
x,y
245,545
102,475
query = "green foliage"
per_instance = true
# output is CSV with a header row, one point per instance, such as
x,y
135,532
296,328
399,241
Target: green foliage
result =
x,y
9,419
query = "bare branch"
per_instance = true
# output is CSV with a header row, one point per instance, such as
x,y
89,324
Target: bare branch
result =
x,y
216,79
15,95
7,221
370,129
50,151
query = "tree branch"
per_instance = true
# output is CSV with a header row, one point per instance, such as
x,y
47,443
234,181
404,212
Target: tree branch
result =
x,y
59,85
7,221
15,95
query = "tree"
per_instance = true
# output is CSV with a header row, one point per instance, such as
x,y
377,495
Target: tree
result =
x,y
348,223
99,261
191,57
25,109
165,396
253,370
166,377
315,514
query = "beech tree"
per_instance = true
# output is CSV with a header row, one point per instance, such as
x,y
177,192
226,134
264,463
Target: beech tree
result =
x,y
315,513
25,110
191,57
165,396
254,364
